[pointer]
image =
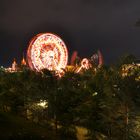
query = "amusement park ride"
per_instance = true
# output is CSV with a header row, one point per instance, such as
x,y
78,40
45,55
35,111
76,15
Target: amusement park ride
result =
x,y
48,51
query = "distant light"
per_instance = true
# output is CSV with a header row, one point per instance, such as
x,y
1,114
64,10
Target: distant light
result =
x,y
43,104
115,86
95,93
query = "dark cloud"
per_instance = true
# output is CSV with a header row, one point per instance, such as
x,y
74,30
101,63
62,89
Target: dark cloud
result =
x,y
85,26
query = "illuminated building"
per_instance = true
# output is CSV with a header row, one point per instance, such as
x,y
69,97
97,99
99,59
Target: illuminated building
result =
x,y
14,65
23,62
13,68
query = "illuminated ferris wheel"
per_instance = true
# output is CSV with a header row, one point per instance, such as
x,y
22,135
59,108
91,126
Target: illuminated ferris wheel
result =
x,y
47,51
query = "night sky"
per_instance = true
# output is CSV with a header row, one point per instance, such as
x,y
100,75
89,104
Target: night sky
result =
x,y
84,25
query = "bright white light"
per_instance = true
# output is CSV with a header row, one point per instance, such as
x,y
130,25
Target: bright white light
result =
x,y
43,104
95,93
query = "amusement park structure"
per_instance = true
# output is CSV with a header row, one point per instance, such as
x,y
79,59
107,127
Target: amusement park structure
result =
x,y
48,51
